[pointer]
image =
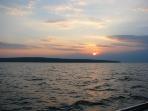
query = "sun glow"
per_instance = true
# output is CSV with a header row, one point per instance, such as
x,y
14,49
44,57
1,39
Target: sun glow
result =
x,y
94,53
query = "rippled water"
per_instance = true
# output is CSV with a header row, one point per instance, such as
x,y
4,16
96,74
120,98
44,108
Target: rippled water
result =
x,y
72,86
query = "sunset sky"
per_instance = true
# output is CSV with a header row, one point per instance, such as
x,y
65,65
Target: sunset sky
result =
x,y
97,29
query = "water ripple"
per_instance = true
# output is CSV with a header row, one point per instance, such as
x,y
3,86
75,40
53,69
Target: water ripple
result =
x,y
72,87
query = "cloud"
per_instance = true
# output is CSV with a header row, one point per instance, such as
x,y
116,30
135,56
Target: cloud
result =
x,y
55,20
47,43
4,45
17,12
79,2
69,49
60,9
76,22
16,9
130,40
53,43
68,9
114,44
31,4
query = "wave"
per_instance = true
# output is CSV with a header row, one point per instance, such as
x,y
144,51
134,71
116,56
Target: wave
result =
x,y
81,104
137,86
139,97
78,105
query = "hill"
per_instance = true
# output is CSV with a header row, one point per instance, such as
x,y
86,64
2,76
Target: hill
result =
x,y
54,60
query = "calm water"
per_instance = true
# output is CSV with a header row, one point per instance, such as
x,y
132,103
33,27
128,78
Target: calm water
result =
x,y
72,86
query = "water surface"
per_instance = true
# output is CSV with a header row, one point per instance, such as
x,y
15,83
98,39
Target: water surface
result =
x,y
72,86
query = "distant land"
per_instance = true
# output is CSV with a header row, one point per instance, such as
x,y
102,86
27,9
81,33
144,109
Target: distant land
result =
x,y
54,60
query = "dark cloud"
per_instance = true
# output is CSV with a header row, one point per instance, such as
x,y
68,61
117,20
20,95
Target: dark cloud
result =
x,y
4,45
113,45
127,41
59,47
123,45
130,37
141,39
55,20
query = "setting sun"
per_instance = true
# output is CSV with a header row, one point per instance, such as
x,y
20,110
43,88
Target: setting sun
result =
x,y
94,53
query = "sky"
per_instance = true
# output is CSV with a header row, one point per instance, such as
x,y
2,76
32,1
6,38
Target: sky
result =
x,y
96,29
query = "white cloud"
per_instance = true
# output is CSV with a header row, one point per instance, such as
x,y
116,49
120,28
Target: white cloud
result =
x,y
66,10
73,23
19,10
141,9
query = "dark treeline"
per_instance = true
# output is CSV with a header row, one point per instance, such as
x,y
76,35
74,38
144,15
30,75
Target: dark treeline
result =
x,y
54,60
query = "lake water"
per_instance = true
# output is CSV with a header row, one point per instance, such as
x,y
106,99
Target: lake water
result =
x,y
72,86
